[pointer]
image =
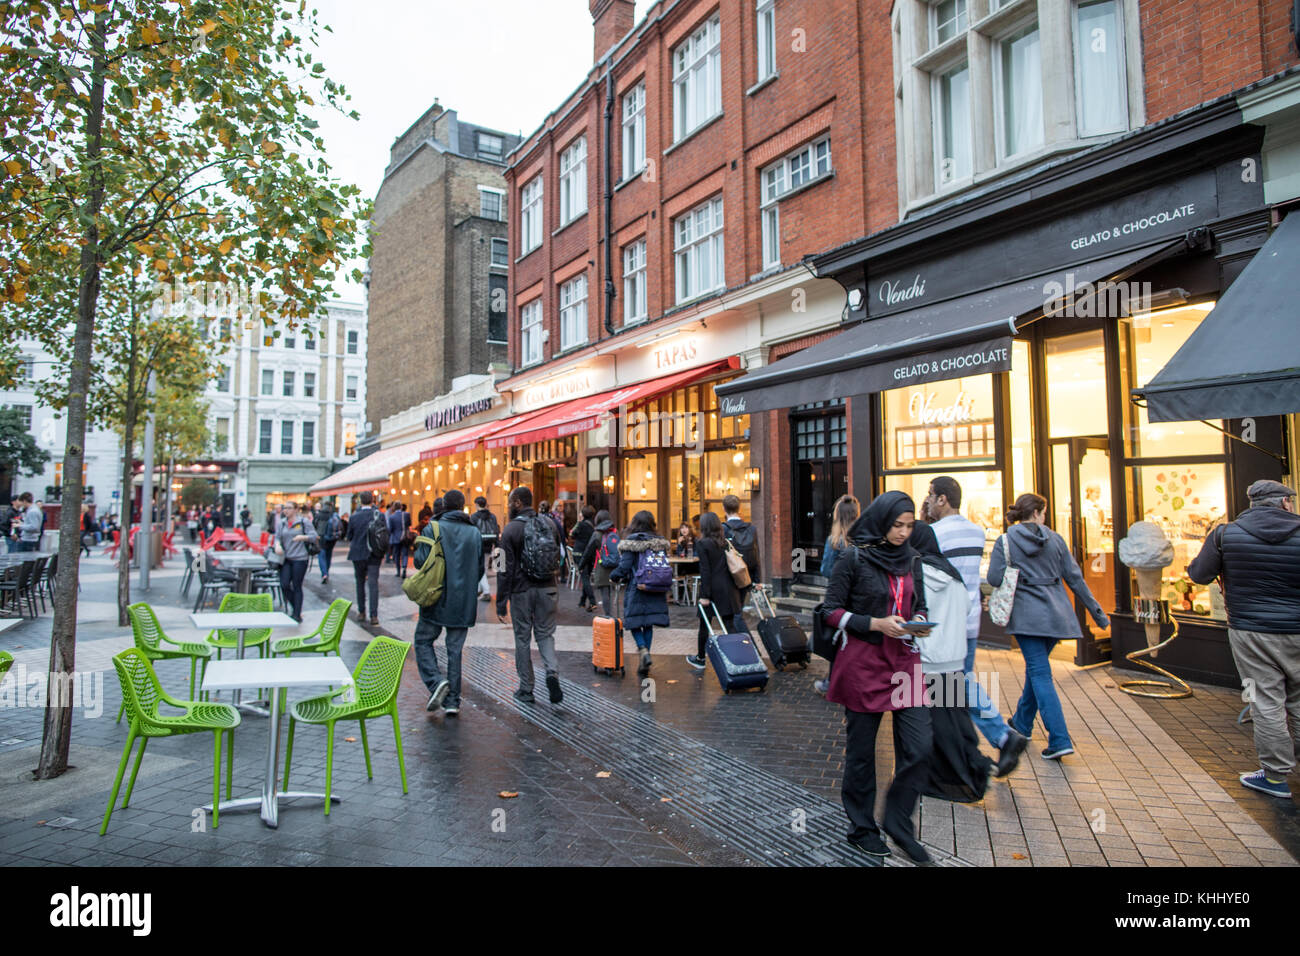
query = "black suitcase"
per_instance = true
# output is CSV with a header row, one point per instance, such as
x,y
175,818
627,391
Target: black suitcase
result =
x,y
782,637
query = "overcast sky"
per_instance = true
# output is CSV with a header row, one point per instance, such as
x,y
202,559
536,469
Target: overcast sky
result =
x,y
500,63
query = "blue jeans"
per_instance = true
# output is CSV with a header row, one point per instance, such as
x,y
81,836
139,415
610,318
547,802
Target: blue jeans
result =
x,y
325,557
983,712
1039,696
642,636
426,659
27,545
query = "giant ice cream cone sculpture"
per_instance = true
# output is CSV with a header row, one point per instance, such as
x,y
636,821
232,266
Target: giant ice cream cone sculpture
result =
x,y
1147,551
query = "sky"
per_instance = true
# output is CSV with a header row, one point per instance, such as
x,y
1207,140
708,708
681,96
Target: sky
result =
x,y
504,64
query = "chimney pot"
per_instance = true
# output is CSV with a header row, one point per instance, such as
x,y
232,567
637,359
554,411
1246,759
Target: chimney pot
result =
x,y
612,19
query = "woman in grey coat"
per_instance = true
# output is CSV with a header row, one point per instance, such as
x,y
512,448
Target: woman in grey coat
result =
x,y
1041,614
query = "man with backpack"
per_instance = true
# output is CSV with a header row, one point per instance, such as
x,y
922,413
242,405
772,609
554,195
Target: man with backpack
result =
x,y
328,529
743,537
455,609
486,522
527,583
368,534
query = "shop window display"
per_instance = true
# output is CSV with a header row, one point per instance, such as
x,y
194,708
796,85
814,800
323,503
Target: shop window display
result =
x,y
1186,501
949,421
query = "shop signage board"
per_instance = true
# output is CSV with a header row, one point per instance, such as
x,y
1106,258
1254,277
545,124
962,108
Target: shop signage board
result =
x,y
579,383
992,355
1163,212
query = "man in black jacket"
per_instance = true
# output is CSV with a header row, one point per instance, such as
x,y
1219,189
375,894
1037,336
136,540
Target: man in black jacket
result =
x,y
1258,557
365,565
532,602
743,537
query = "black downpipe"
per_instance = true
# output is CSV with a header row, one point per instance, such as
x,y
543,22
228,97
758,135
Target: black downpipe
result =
x,y
609,201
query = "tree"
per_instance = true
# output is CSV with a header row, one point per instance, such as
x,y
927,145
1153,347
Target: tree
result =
x,y
119,124
19,453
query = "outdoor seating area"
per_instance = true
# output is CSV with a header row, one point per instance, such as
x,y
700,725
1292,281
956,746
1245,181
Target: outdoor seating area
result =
x,y
27,583
309,661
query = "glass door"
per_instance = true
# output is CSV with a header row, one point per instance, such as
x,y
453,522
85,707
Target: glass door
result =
x,y
1081,506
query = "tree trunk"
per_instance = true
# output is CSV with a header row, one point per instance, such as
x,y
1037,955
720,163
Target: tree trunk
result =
x,y
57,734
128,469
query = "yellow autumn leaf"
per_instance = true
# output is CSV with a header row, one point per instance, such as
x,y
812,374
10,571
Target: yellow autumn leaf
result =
x,y
155,106
508,794
207,27
225,247
149,33
231,55
13,167
174,66
268,147
602,773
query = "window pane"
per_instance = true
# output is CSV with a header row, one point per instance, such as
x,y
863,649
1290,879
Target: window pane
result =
x,y
1154,338
1022,94
309,438
1186,501
954,126
949,19
1099,65
1076,385
921,423
1022,418
286,438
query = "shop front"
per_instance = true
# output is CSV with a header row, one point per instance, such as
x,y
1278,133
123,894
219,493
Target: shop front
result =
x,y
1007,363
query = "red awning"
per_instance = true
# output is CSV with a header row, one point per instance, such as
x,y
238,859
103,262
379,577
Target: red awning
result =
x,y
464,439
584,414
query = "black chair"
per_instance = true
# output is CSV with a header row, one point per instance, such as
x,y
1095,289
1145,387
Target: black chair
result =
x,y
8,586
212,583
269,581
46,583
18,582
188,576
35,586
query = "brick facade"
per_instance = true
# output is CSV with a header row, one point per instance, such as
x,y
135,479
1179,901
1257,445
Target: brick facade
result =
x,y
429,266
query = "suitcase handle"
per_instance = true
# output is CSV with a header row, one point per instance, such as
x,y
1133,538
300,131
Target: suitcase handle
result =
x,y
718,614
767,602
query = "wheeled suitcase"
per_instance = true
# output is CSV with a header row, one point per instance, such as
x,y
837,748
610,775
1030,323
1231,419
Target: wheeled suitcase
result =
x,y
607,645
734,657
784,639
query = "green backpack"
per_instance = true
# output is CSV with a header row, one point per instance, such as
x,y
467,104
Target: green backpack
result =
x,y
425,586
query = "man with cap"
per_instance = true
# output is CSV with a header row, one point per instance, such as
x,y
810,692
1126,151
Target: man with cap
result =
x,y
1257,559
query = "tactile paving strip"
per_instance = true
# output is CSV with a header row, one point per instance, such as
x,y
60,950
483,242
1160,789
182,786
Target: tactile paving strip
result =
x,y
736,802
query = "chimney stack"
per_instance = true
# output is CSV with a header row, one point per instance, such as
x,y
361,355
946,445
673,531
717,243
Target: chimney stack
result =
x,y
612,20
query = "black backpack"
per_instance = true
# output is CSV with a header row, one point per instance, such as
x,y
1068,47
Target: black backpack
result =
x,y
377,535
540,556
745,540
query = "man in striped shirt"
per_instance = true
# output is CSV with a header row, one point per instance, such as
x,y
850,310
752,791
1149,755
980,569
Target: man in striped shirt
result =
x,y
962,543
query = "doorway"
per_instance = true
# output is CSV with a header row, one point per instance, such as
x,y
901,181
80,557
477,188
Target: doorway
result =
x,y
821,473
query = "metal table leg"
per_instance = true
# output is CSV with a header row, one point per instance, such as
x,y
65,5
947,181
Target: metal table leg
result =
x,y
239,705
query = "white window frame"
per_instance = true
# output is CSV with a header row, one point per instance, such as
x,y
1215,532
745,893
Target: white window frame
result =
x,y
223,379
573,312
999,98
351,388
497,154
290,386
634,130
504,246
268,381
698,250
265,436
308,384
530,214
777,180
936,97
304,439
530,333
960,21
287,431
500,195
635,303
1078,73
353,342
697,78
765,31
573,181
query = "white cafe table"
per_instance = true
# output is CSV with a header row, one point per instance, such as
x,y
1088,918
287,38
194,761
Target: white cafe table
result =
x,y
243,563
243,622
10,622
277,673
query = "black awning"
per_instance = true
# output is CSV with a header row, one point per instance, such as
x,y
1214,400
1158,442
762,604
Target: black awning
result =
x,y
969,335
1244,358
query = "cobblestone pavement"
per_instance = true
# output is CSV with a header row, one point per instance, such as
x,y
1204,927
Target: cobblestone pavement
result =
x,y
666,773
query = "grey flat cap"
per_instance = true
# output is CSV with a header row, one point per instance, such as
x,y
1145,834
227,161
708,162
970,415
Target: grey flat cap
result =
x,y
1267,488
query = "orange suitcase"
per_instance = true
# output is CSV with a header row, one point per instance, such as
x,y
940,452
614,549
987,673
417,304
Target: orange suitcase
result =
x,y
607,645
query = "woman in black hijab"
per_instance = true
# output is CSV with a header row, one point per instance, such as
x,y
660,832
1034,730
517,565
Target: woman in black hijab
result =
x,y
876,588
958,770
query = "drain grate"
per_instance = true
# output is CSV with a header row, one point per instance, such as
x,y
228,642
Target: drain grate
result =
x,y
735,802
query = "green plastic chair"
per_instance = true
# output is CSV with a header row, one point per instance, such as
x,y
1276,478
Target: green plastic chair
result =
x,y
228,639
6,662
151,641
142,695
324,640
377,676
